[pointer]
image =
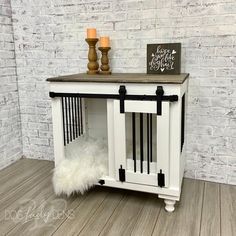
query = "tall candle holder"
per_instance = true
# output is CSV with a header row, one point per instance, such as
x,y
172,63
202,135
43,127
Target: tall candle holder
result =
x,y
92,56
105,68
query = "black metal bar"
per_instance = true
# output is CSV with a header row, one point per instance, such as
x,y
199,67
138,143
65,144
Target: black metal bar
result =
x,y
182,121
73,117
67,128
63,120
151,137
141,142
76,121
171,98
81,116
134,139
121,174
70,119
78,110
148,144
159,93
122,92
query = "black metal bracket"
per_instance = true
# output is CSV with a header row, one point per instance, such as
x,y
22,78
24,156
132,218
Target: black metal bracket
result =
x,y
159,93
51,94
161,179
121,174
122,92
101,181
182,121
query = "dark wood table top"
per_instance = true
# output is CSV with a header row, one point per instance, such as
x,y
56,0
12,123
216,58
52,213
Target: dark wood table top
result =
x,y
123,78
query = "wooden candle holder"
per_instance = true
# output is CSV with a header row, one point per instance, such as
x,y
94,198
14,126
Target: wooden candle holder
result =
x,y
92,56
105,68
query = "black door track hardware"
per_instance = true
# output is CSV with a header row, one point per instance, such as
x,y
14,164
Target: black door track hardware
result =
x,y
122,96
159,93
122,92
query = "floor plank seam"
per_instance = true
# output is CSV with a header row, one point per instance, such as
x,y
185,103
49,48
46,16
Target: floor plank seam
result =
x,y
25,182
161,208
203,197
70,214
11,165
125,196
22,168
93,213
19,162
22,196
18,169
35,209
63,221
139,215
27,179
30,188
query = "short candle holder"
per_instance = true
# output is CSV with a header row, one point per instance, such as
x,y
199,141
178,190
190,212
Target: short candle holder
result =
x,y
105,68
92,56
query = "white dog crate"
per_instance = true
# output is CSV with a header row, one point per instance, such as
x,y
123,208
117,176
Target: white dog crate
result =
x,y
141,118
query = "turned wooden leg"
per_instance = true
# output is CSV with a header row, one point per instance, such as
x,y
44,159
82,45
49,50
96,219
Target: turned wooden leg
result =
x,y
170,205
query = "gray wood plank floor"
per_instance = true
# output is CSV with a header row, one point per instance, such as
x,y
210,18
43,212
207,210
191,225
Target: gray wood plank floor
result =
x,y
28,206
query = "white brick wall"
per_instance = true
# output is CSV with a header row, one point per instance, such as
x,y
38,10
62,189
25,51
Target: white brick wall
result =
x,y
10,130
49,41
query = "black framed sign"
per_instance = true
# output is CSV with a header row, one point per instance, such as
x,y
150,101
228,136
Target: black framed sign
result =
x,y
164,58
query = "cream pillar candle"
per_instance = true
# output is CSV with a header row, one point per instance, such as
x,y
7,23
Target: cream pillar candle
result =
x,y
104,41
91,33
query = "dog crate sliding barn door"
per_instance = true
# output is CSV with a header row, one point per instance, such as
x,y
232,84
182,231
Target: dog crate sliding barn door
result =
x,y
142,143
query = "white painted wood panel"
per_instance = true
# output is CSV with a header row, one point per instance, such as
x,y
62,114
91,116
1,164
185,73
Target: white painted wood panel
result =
x,y
57,121
168,192
111,88
119,138
110,135
163,141
176,159
141,106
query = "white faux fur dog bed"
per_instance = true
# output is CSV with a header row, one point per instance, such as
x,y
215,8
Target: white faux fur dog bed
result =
x,y
85,163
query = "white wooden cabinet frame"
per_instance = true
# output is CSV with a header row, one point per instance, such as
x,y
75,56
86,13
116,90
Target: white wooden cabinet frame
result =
x,y
169,157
